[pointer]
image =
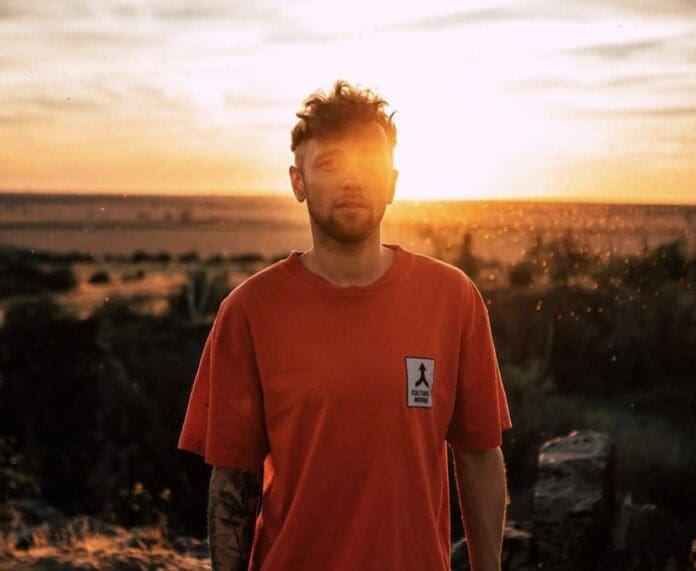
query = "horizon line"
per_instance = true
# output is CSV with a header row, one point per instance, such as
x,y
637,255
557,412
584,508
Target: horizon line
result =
x,y
552,199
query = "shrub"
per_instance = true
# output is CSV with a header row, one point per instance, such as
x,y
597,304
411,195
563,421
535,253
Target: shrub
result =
x,y
188,257
100,277
138,274
522,274
200,296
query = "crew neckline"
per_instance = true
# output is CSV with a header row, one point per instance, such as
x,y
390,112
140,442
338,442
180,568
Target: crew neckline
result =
x,y
399,263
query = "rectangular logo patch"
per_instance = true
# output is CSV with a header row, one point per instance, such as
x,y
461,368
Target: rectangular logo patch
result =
x,y
420,378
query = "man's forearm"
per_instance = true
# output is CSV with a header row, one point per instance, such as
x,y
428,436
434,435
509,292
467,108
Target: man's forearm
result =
x,y
232,503
482,497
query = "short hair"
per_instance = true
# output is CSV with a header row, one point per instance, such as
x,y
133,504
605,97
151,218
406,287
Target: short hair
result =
x,y
331,114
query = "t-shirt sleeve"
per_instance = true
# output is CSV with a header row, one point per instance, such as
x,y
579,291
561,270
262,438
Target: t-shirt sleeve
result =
x,y
481,410
224,419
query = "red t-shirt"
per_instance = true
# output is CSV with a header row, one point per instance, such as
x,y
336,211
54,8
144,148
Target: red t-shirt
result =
x,y
349,395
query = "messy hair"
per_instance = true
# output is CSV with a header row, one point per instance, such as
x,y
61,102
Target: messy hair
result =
x,y
329,114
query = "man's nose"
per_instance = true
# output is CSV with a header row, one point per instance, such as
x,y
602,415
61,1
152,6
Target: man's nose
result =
x,y
353,176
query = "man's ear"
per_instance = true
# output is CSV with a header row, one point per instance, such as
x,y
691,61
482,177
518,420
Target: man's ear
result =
x,y
395,175
297,183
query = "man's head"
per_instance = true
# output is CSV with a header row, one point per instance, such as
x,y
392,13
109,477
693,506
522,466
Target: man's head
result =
x,y
344,146
328,115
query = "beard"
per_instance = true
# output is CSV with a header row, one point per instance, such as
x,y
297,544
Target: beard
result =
x,y
347,225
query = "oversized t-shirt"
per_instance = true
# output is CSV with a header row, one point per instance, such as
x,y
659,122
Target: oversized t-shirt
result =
x,y
348,396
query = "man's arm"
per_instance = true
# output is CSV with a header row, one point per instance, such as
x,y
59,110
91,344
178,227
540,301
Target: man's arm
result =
x,y
482,497
232,504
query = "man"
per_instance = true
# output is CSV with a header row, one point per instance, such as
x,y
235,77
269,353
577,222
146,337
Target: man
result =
x,y
339,375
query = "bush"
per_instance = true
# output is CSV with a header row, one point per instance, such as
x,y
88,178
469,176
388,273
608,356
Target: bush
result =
x,y
100,277
15,482
215,260
466,259
21,274
138,274
655,453
200,296
522,274
188,257
97,405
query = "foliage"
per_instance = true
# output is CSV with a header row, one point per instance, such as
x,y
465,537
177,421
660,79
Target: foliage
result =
x,y
22,272
522,274
466,259
649,440
201,295
100,277
92,408
136,275
97,403
561,258
15,480
137,506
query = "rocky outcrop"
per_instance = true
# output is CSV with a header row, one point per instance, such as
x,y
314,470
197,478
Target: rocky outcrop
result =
x,y
644,537
38,537
573,500
517,545
576,522
576,525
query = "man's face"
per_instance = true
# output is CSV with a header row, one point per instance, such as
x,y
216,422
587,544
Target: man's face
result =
x,y
347,180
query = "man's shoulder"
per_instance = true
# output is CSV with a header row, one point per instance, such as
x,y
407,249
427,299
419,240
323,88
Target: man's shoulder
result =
x,y
259,286
433,269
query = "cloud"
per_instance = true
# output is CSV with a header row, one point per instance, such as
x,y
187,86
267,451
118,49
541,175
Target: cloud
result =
x,y
630,81
684,111
88,39
297,35
665,112
247,100
620,50
41,10
189,11
664,8
460,18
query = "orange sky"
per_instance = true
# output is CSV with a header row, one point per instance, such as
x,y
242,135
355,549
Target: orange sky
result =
x,y
580,100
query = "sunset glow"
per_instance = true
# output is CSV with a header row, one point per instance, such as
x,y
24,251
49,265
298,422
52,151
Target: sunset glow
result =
x,y
579,101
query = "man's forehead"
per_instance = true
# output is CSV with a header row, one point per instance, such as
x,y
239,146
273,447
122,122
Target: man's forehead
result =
x,y
370,135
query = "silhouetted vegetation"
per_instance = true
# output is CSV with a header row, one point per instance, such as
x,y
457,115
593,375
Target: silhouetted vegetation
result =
x,y
95,405
467,260
91,409
248,258
134,275
99,277
24,271
188,257
200,296
15,482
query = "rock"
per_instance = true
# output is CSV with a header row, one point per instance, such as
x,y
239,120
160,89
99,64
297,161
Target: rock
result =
x,y
517,548
516,554
573,501
644,537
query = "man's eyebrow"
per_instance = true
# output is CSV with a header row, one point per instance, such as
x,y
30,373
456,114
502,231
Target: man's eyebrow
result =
x,y
328,153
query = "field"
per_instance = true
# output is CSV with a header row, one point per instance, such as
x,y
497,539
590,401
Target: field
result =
x,y
111,229
272,226
592,306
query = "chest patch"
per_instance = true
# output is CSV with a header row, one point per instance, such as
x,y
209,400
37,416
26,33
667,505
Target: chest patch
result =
x,y
420,380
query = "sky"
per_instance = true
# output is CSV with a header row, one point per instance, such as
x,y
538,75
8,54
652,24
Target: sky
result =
x,y
576,100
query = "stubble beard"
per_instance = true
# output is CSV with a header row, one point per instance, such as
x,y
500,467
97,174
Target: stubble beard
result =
x,y
347,227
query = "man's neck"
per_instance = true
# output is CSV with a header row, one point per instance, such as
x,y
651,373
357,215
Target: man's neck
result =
x,y
346,265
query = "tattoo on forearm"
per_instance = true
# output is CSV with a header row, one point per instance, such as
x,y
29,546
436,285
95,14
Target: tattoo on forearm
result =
x,y
232,507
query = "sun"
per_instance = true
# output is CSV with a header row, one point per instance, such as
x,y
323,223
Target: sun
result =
x,y
474,149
